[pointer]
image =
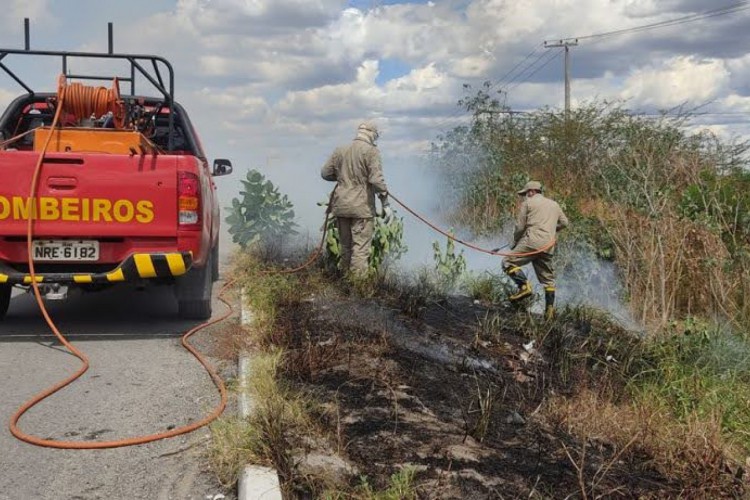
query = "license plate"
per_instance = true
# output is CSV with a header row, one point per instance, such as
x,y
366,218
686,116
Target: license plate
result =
x,y
65,250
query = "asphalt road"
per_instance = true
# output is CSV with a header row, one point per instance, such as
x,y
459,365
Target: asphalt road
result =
x,y
141,381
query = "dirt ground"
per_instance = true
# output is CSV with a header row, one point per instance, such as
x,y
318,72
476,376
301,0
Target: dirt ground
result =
x,y
435,394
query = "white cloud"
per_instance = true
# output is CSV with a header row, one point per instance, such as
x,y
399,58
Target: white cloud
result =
x,y
736,103
35,10
6,97
682,79
14,12
418,80
243,16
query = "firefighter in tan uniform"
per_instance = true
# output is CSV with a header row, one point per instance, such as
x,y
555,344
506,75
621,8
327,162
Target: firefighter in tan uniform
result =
x,y
539,219
358,173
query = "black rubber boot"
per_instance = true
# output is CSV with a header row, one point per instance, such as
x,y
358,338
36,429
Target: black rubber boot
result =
x,y
549,302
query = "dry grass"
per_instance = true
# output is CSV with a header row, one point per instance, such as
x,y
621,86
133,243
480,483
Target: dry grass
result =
x,y
670,207
282,424
270,435
478,416
672,267
234,444
691,454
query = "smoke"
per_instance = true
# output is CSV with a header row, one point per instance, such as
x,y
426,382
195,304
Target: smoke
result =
x,y
583,278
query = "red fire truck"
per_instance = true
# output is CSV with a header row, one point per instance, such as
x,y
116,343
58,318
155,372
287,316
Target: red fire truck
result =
x,y
125,191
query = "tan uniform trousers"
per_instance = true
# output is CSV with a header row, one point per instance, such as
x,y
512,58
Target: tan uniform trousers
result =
x,y
542,262
356,238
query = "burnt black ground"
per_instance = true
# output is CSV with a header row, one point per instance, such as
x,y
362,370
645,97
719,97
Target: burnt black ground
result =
x,y
405,391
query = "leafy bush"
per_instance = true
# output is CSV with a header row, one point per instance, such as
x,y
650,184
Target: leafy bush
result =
x,y
449,266
262,216
387,243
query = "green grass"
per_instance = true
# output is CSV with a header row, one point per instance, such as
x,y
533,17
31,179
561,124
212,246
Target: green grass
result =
x,y
401,486
234,443
488,287
279,415
701,371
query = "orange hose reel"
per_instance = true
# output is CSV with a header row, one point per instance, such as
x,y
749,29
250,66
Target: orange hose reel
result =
x,y
84,101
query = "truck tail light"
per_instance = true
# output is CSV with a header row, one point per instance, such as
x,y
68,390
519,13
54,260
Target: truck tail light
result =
x,y
189,200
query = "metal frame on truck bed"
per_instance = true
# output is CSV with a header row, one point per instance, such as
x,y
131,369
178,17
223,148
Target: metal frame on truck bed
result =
x,y
138,65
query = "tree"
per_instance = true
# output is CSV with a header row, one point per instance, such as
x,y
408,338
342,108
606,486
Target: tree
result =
x,y
262,215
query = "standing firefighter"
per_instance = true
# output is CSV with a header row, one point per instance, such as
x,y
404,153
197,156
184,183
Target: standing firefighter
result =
x,y
537,224
358,174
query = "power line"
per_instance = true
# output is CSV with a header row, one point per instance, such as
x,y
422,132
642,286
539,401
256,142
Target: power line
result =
x,y
457,114
691,115
550,58
506,85
730,9
506,75
524,70
534,67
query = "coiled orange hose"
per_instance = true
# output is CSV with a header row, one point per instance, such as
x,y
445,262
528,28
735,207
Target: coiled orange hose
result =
x,y
84,101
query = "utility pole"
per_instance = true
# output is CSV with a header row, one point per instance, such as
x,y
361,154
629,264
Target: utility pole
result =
x,y
566,44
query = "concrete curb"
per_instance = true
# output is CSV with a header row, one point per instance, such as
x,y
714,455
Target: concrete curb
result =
x,y
256,483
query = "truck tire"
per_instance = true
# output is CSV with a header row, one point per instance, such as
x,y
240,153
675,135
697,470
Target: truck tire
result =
x,y
194,292
215,262
4,300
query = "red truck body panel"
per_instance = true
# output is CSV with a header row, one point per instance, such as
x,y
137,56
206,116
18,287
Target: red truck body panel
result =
x,y
98,195
128,202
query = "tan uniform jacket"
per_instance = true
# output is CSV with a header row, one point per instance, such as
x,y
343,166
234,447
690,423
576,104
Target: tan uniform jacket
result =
x,y
537,223
358,172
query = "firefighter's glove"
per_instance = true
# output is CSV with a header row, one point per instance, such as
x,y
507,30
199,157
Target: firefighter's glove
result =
x,y
387,212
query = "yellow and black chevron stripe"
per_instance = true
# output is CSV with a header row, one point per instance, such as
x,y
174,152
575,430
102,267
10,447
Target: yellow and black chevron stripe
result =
x,y
137,266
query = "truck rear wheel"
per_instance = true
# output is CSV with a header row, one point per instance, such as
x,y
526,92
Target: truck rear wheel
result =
x,y
194,292
215,262
4,300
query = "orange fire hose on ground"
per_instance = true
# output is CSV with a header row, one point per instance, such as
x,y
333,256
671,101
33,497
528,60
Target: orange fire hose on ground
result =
x,y
90,445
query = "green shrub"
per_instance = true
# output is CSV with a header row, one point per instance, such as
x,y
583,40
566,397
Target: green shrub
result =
x,y
262,216
701,370
449,266
387,243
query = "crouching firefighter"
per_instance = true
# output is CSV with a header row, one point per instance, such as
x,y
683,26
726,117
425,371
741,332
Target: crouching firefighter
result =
x,y
358,173
539,219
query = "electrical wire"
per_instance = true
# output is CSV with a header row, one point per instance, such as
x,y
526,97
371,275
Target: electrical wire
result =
x,y
737,7
513,69
455,115
552,57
